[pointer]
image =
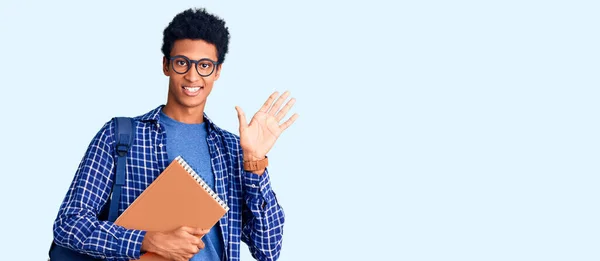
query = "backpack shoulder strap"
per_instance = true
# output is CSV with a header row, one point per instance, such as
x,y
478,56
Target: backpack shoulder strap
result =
x,y
124,136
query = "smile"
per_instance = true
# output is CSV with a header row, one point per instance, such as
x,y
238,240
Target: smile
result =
x,y
192,90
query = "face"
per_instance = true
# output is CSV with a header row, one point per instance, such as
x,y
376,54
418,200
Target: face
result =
x,y
190,89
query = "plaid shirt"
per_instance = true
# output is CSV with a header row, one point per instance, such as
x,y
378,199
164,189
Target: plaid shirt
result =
x,y
255,217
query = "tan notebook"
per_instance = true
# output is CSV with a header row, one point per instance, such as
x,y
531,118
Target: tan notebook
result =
x,y
178,197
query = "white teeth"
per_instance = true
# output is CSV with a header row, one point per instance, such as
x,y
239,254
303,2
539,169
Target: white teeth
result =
x,y
192,89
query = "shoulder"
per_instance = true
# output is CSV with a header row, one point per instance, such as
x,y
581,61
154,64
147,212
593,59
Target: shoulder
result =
x,y
102,143
106,132
140,121
105,138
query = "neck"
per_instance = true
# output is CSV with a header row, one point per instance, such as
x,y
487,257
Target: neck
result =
x,y
186,115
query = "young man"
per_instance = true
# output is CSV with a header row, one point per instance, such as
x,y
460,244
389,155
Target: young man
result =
x,y
194,48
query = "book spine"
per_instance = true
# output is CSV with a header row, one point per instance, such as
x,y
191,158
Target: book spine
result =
x,y
200,181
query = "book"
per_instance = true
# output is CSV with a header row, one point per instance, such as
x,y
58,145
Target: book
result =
x,y
178,197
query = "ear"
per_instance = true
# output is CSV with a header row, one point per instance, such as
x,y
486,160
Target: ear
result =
x,y
165,66
218,72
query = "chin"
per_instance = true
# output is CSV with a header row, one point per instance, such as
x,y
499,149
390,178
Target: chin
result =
x,y
193,104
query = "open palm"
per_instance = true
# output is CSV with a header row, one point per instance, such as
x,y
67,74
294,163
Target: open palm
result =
x,y
258,137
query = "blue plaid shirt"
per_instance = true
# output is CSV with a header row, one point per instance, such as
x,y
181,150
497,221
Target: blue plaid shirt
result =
x,y
255,217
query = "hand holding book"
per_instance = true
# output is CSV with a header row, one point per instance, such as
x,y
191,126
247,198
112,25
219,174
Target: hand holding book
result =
x,y
178,244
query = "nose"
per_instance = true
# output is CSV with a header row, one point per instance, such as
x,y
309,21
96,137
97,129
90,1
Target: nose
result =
x,y
192,74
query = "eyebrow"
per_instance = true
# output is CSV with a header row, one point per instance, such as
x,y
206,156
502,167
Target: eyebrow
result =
x,y
205,57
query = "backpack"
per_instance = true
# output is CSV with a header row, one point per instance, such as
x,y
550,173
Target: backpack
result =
x,y
125,136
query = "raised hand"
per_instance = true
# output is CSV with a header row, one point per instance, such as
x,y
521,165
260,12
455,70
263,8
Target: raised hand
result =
x,y
258,137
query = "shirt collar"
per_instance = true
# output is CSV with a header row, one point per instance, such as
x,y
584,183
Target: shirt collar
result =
x,y
154,115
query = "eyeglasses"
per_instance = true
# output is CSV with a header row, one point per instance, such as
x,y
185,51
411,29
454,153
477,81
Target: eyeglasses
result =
x,y
204,67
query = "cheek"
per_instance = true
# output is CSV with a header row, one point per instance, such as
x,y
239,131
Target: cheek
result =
x,y
209,81
173,81
175,78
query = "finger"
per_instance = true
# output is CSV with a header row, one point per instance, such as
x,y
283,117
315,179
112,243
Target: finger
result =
x,y
268,103
242,118
289,122
199,232
196,247
278,102
193,249
280,114
195,241
195,231
186,229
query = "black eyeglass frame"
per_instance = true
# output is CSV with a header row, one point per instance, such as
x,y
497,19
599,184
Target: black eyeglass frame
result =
x,y
195,62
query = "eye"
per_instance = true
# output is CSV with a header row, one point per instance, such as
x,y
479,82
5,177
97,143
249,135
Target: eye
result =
x,y
180,62
204,65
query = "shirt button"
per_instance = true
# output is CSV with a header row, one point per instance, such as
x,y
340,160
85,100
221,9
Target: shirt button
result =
x,y
160,145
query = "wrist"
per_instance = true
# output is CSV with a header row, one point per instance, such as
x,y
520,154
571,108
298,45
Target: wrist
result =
x,y
253,157
149,242
255,164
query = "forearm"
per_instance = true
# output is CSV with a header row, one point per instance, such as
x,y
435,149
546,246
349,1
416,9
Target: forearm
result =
x,y
80,230
263,229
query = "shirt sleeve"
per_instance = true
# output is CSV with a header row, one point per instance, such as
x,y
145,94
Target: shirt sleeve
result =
x,y
77,226
262,217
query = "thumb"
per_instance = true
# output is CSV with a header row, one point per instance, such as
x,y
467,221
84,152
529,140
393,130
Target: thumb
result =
x,y
242,118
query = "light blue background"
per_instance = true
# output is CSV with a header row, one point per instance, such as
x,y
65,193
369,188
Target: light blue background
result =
x,y
428,130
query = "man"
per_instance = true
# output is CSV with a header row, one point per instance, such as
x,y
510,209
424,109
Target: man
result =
x,y
194,48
